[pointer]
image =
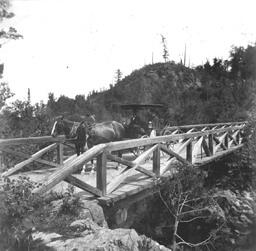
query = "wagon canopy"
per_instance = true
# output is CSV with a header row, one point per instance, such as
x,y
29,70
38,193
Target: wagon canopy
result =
x,y
143,114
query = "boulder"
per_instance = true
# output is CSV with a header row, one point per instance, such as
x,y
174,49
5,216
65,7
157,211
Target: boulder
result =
x,y
101,240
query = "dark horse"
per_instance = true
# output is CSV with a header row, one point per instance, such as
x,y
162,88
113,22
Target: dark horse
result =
x,y
74,131
110,131
99,133
105,132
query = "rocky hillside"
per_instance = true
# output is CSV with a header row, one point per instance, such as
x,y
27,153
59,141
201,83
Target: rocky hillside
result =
x,y
189,95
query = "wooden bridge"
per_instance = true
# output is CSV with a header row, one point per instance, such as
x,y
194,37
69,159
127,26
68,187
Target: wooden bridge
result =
x,y
192,145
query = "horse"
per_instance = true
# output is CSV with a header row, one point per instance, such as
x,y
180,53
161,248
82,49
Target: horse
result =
x,y
98,133
75,131
105,132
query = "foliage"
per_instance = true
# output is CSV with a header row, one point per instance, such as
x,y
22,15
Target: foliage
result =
x,y
118,76
17,202
5,93
165,50
11,33
71,202
190,204
21,211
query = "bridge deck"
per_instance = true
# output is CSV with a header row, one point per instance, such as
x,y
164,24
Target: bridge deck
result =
x,y
153,166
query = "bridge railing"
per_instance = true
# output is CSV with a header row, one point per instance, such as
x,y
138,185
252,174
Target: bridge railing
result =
x,y
5,144
210,143
185,128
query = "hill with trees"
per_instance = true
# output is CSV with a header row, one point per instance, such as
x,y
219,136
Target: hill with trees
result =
x,y
221,91
214,92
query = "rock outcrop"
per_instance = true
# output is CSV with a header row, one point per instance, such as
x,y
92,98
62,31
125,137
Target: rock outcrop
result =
x,y
90,236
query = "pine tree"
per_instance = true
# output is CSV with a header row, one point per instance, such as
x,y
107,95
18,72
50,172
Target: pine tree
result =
x,y
118,76
165,49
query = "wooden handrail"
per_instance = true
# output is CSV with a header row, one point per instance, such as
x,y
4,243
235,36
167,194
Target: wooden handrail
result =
x,y
31,140
27,161
126,144
203,125
68,168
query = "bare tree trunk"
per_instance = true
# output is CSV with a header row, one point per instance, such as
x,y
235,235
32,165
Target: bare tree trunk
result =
x,y
176,223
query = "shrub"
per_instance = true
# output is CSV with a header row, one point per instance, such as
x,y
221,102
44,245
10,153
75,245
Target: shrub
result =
x,y
16,203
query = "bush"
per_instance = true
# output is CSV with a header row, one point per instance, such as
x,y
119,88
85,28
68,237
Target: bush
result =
x,y
71,202
16,203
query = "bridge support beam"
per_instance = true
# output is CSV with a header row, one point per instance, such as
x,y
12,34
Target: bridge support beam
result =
x,y
189,152
210,143
102,173
60,153
156,161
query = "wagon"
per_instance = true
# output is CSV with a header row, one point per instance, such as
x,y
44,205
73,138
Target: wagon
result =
x,y
145,116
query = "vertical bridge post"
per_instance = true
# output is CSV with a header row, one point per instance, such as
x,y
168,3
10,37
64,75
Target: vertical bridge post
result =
x,y
189,152
102,173
210,142
156,161
226,141
60,153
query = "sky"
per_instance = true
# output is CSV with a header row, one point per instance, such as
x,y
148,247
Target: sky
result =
x,y
74,47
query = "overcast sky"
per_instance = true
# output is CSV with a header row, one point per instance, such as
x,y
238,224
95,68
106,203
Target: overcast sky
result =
x,y
73,47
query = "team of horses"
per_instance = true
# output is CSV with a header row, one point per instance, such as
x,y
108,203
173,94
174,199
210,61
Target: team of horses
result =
x,y
80,134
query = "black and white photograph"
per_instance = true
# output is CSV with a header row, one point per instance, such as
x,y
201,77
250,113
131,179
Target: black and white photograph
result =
x,y
127,125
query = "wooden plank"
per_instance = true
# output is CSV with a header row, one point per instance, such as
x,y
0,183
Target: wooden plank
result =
x,y
156,161
206,125
126,144
70,146
219,142
197,148
120,178
217,156
167,166
31,140
70,159
102,173
127,202
170,162
68,168
60,153
181,148
174,154
82,185
233,139
127,190
129,165
26,162
119,160
226,140
189,153
206,148
145,155
138,196
204,129
26,156
145,171
210,142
